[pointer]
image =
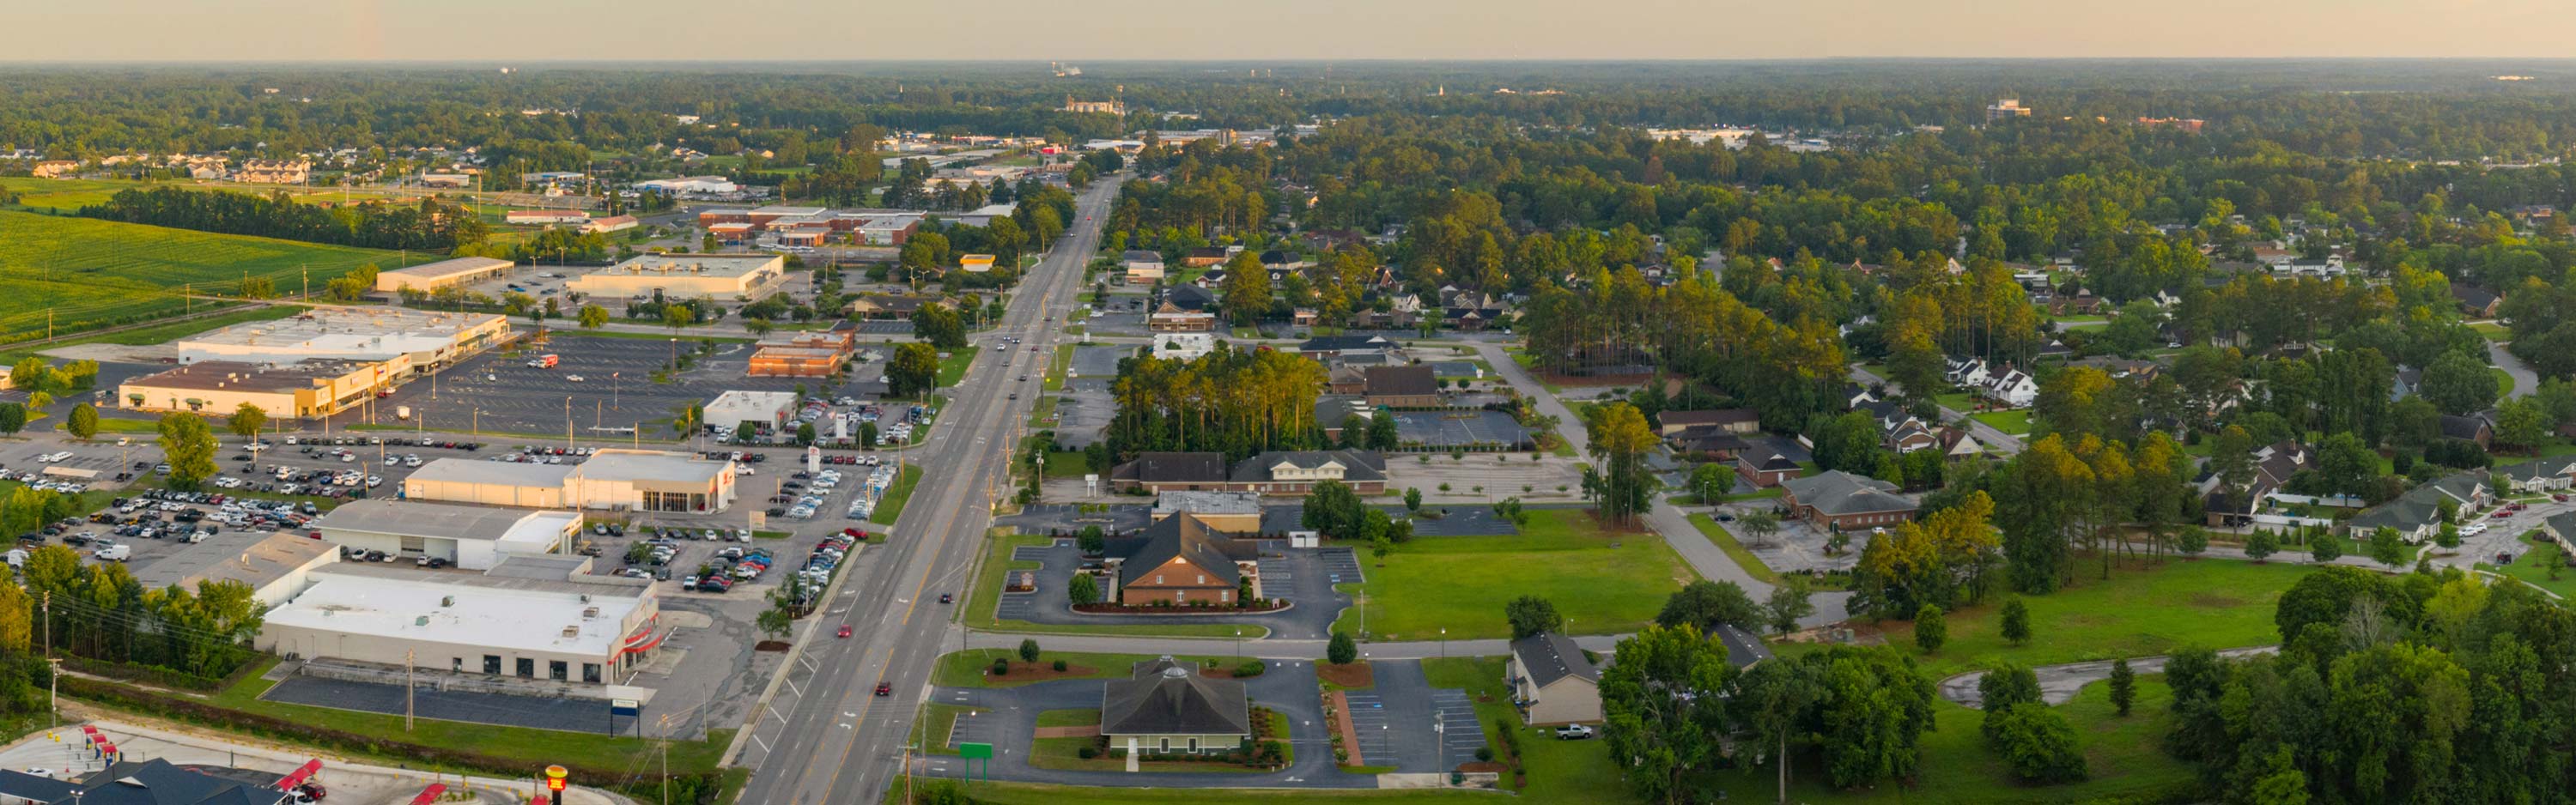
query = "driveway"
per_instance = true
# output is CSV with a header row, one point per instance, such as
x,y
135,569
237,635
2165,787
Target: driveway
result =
x,y
1010,724
2525,381
2058,684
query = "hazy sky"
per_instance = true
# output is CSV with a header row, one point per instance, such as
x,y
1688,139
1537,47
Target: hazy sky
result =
x,y
1019,30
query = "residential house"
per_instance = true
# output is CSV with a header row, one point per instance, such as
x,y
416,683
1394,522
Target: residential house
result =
x,y
274,171
2417,515
1955,443
2477,302
1283,473
1840,500
1345,378
55,169
2561,528
1764,468
2472,428
1743,649
1142,267
1552,681
1708,443
1737,421
874,306
2273,467
2556,474
1180,560
1402,387
1965,371
1165,707
2409,380
1304,317
1324,347
2013,388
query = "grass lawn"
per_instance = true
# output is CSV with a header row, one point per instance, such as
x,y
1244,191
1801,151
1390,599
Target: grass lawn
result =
x,y
1043,411
1056,369
119,425
969,669
2136,612
987,595
537,746
2504,379
953,367
937,721
1603,582
896,495
1069,718
2528,567
2013,423
164,333
1063,465
2491,330
1717,533
1960,401
93,273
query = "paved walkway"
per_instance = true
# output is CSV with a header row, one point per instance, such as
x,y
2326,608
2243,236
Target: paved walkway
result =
x,y
2058,684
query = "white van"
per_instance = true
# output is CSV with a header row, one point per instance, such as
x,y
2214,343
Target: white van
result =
x,y
115,553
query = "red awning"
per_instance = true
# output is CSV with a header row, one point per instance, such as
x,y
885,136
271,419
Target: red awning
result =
x,y
430,794
301,774
633,648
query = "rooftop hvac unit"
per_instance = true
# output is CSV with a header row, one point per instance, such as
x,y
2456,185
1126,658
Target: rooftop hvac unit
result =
x,y
590,613
572,631
447,600
420,621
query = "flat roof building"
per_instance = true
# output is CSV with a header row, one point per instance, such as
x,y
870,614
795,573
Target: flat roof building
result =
x,y
428,338
691,276
595,634
470,537
771,409
442,274
616,480
307,388
275,568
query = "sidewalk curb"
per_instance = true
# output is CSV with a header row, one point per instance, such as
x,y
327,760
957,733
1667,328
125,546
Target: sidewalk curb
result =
x,y
751,719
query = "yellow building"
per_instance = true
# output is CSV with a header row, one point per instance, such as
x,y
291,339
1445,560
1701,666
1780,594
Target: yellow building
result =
x,y
301,389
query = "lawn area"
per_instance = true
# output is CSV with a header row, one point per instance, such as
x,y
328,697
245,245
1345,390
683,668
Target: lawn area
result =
x,y
2013,423
1603,582
107,424
2504,379
2125,754
2492,331
987,595
1057,368
1067,465
67,195
163,333
1069,718
896,496
1043,411
1957,401
93,274
953,367
2136,612
2528,567
1718,533
537,746
937,721
969,669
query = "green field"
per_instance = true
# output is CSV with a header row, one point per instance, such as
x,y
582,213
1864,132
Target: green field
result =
x,y
2210,602
92,274
163,333
1602,582
953,367
2012,423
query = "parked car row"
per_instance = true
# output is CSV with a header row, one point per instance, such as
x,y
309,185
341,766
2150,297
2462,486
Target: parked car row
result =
x,y
865,505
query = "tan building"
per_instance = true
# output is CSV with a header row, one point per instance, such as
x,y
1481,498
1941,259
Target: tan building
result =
x,y
310,388
428,338
55,169
428,277
686,276
274,171
1181,561
1552,682
613,480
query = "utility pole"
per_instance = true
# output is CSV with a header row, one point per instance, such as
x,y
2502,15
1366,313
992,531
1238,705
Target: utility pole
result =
x,y
408,689
567,423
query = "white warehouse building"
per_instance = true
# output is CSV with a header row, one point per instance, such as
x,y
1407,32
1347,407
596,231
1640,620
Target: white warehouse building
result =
x,y
769,408
566,632
470,537
364,333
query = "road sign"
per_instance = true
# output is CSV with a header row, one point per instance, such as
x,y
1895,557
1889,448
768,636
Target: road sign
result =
x,y
975,751
624,707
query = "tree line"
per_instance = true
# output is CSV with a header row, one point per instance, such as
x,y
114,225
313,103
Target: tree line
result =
x,y
430,225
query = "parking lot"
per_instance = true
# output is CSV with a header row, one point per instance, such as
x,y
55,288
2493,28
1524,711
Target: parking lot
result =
x,y
1474,429
1405,723
497,392
1304,575
1099,360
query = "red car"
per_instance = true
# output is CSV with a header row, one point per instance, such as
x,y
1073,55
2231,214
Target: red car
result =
x,y
845,630
2502,514
2559,498
885,688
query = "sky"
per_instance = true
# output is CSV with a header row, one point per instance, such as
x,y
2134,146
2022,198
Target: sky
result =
x,y
1239,30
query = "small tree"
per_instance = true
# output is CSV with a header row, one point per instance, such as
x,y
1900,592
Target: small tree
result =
x,y
2387,548
13,418
2016,621
1530,614
1028,649
1092,539
246,421
1931,629
1381,546
1083,591
1759,525
2191,540
2260,544
775,622
2325,547
2448,537
2036,743
1788,603
1342,650
2124,686
83,422
745,431
804,433
2553,562
1413,498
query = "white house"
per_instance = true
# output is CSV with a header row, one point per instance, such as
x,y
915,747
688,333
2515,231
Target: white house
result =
x,y
2014,388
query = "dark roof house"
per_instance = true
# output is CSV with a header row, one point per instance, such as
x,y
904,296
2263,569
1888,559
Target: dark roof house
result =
x,y
1164,697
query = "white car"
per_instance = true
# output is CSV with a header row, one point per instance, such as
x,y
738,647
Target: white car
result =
x,y
2473,529
573,378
